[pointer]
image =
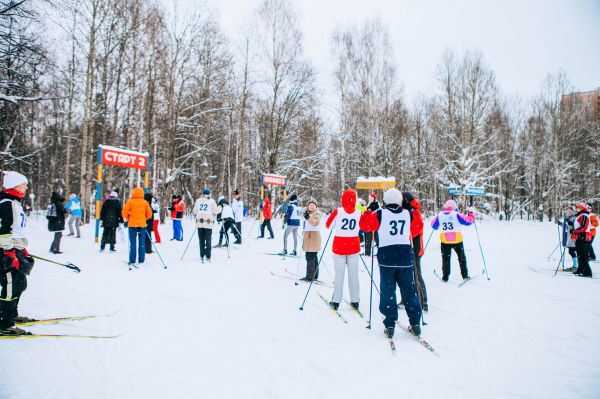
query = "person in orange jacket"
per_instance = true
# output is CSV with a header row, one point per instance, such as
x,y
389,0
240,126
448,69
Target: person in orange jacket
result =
x,y
136,212
594,222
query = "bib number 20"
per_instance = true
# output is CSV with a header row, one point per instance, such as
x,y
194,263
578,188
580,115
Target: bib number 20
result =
x,y
348,224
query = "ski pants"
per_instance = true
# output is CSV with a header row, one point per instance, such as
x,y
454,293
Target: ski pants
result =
x,y
177,230
13,284
224,232
137,240
583,253
388,305
149,224
420,283
205,237
462,259
340,262
155,229
238,231
591,251
109,236
266,223
294,231
368,242
312,272
77,221
55,246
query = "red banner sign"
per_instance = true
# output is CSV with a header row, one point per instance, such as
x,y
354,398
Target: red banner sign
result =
x,y
126,159
274,180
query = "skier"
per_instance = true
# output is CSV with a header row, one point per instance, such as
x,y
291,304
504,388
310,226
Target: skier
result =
x,y
238,212
569,236
149,223
450,222
56,220
226,217
155,218
136,212
292,220
369,235
15,262
177,208
411,204
594,222
311,243
268,215
582,228
74,207
110,215
395,257
346,249
205,211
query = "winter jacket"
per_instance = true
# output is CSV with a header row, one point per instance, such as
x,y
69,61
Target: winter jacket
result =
x,y
205,212
238,210
177,208
57,223
266,208
137,210
155,209
594,222
411,203
74,206
450,233
583,226
225,211
110,213
395,238
150,222
12,221
312,232
292,216
343,244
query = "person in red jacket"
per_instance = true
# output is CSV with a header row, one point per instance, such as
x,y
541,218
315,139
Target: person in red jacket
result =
x,y
583,230
594,222
411,203
268,215
177,208
346,248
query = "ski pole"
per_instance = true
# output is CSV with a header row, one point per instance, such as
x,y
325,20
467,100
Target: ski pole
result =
x,y
365,264
156,249
188,244
554,250
372,283
252,227
562,256
481,250
317,271
68,265
427,243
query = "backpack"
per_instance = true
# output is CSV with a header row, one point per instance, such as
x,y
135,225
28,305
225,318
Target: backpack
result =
x,y
51,211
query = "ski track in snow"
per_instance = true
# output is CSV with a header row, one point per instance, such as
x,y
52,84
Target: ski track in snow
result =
x,y
229,329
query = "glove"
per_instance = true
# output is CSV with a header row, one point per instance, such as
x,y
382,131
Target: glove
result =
x,y
26,262
10,261
306,215
373,206
125,224
283,226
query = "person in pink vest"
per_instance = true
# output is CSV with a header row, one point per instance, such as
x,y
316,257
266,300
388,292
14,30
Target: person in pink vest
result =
x,y
450,222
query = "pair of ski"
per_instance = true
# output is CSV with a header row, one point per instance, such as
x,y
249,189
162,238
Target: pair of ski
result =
x,y
282,255
292,276
462,282
358,312
59,320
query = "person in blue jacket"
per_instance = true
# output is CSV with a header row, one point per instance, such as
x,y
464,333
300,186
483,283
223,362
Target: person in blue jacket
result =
x,y
292,220
74,208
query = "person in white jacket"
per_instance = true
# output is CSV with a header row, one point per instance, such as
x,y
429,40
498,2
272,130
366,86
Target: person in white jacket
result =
x,y
238,214
205,212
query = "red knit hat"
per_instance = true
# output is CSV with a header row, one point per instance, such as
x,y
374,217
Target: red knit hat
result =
x,y
582,206
373,195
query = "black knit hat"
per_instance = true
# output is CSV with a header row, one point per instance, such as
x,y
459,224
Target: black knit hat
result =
x,y
293,197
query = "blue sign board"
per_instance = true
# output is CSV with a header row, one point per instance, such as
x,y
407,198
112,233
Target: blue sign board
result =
x,y
475,191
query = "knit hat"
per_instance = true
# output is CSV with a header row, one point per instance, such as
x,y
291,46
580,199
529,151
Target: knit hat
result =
x,y
113,194
13,179
206,191
372,197
392,196
312,201
236,192
450,205
582,206
293,197
221,198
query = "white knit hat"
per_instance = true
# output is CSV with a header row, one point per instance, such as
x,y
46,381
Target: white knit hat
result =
x,y
13,179
114,194
450,205
392,196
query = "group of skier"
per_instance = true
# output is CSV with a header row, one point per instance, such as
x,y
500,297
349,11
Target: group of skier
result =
x,y
579,231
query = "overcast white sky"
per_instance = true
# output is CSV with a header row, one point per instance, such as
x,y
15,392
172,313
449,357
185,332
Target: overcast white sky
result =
x,y
522,40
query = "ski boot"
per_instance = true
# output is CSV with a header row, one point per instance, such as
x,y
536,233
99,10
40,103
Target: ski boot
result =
x,y
14,331
293,253
334,305
354,305
283,253
23,319
389,332
415,330
445,279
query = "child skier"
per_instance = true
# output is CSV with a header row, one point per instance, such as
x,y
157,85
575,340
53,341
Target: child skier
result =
x,y
56,220
569,237
237,205
346,248
582,228
292,220
268,215
155,218
205,211
136,212
177,208
226,217
74,207
311,243
450,222
395,257
15,262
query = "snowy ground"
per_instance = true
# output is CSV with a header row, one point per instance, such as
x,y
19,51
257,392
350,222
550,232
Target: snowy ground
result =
x,y
229,329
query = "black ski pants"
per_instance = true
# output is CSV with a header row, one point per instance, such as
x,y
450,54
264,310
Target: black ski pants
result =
x,y
266,223
462,259
312,273
55,246
205,237
13,284
591,249
583,254
109,236
420,283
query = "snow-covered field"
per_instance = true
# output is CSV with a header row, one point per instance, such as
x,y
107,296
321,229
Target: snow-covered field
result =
x,y
229,329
